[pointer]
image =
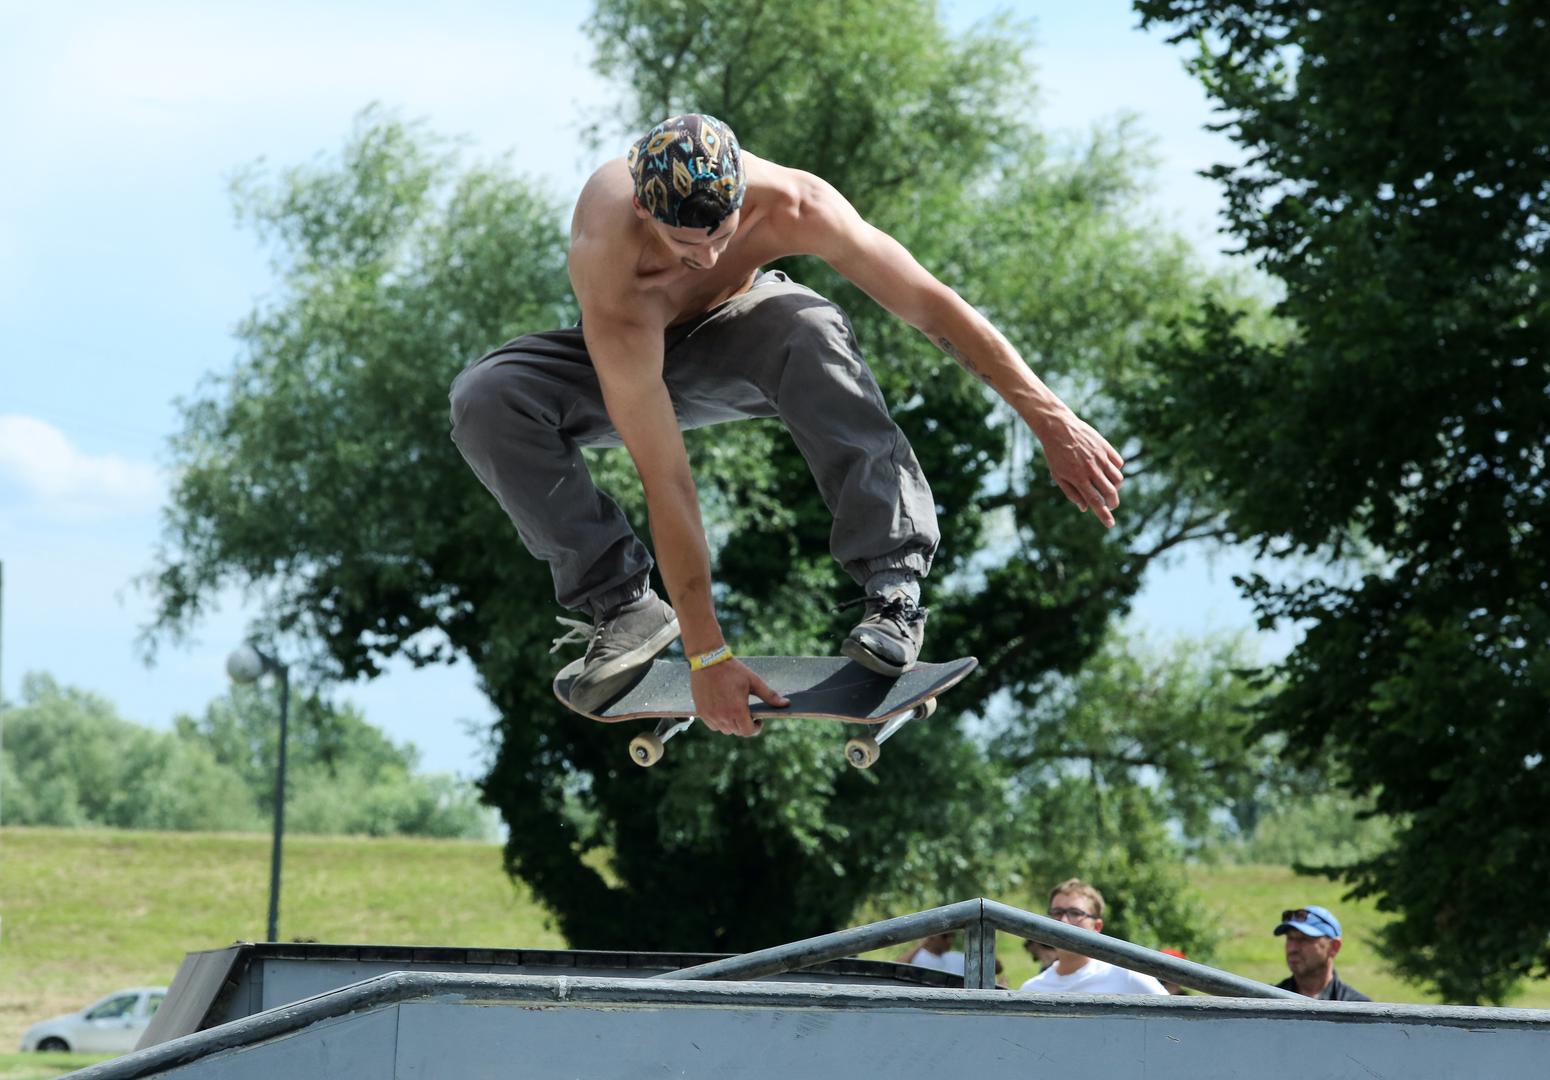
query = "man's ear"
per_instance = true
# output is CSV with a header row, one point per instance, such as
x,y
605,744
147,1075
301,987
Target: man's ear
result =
x,y
640,211
1334,947
1097,926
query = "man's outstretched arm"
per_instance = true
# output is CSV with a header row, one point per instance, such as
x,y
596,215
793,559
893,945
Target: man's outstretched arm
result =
x,y
1081,461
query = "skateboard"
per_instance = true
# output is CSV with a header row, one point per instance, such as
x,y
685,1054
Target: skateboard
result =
x,y
819,687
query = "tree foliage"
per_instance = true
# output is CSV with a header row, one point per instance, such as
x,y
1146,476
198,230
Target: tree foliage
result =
x,y
1175,718
1397,182
1125,769
1318,828
343,776
318,472
70,760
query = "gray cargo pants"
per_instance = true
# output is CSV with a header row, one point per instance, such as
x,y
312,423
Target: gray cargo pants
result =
x,y
521,413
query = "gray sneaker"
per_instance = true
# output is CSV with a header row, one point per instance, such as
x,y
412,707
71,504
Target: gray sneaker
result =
x,y
622,642
889,638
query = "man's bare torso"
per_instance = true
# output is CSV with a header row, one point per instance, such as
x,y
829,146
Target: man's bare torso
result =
x,y
610,242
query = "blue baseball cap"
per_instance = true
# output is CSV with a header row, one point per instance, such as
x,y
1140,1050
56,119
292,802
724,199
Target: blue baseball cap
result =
x,y
1311,920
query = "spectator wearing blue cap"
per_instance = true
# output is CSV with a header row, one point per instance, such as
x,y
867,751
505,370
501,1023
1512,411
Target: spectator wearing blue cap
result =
x,y
1312,939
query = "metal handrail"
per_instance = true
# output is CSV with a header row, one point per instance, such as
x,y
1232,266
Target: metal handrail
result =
x,y
979,919
1127,954
815,950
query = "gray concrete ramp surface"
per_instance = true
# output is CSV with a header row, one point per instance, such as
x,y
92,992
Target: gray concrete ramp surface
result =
x,y
217,986
434,1024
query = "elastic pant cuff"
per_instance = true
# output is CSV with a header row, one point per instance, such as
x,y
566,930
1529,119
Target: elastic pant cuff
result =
x,y
915,562
617,597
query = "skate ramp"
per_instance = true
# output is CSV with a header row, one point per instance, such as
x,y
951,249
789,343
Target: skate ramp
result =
x,y
523,1016
416,1025
218,986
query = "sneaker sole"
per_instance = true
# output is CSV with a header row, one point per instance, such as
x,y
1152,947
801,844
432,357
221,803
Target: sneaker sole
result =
x,y
854,650
609,679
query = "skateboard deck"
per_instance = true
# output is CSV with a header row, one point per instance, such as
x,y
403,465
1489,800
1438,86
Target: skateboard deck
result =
x,y
819,687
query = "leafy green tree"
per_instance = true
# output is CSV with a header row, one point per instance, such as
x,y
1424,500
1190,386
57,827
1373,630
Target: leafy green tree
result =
x,y
1325,828
1396,181
1118,840
318,471
1128,767
70,760
343,776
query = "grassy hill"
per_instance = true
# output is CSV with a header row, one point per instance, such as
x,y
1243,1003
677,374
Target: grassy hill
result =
x,y
87,911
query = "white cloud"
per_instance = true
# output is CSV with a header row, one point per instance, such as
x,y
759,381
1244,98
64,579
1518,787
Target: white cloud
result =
x,y
39,459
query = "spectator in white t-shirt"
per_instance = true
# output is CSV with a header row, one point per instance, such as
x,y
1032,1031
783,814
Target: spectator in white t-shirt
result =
x,y
935,952
1079,904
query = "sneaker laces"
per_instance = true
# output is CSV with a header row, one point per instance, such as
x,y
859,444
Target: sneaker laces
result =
x,y
579,632
896,606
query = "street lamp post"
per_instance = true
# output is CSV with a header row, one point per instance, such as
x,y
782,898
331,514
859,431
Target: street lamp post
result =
x,y
245,665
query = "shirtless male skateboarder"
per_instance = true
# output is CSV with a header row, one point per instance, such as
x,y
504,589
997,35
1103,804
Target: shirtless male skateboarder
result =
x,y
681,329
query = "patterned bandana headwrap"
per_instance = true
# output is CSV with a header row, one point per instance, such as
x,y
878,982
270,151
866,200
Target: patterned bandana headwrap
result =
x,y
682,155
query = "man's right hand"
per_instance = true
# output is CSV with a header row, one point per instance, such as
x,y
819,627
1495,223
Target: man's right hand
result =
x,y
1088,470
721,694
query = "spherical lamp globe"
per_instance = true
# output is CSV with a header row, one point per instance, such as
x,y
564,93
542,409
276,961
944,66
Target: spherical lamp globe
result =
x,y
244,665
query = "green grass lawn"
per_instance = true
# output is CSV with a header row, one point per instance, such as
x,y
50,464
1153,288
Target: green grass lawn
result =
x,y
88,911
44,1066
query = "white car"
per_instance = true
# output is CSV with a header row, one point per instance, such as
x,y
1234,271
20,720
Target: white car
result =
x,y
109,1026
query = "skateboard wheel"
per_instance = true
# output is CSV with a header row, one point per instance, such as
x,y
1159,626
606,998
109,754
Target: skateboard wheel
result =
x,y
924,710
862,752
646,749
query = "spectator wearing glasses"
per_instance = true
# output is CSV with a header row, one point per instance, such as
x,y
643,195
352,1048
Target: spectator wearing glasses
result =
x,y
1079,904
1312,939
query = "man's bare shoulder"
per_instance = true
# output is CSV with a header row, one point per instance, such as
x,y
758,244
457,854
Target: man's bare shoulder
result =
x,y
606,241
796,206
604,209
783,193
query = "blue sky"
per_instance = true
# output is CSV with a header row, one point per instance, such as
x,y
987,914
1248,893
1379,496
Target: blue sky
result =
x,y
122,273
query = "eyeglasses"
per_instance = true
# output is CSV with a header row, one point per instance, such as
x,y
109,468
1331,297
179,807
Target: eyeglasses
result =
x,y
1064,913
1302,914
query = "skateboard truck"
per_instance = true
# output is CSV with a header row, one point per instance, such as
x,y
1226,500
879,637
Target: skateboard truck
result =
x,y
646,748
863,751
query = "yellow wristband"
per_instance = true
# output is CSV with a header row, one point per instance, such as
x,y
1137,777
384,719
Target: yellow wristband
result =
x,y
710,659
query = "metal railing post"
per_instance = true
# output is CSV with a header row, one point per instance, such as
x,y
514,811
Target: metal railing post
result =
x,y
979,952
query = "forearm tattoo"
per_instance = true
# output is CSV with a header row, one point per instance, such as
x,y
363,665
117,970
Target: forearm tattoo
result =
x,y
970,366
